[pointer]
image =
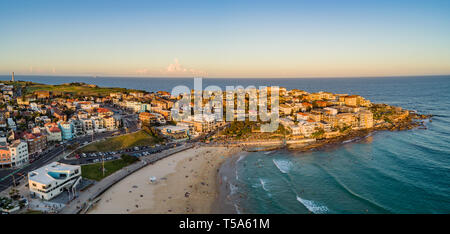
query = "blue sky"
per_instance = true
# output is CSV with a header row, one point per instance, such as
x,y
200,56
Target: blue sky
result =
x,y
225,38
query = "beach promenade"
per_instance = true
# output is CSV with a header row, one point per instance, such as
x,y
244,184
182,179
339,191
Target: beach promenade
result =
x,y
85,199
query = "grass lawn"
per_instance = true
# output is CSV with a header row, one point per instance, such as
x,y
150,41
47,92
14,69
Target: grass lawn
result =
x,y
33,212
73,89
94,171
139,138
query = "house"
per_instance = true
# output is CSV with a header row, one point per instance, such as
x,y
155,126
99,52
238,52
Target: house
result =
x,y
147,118
330,111
352,100
322,103
42,94
5,157
53,132
302,116
164,94
116,95
59,114
104,112
291,126
307,105
285,109
314,97
137,94
307,128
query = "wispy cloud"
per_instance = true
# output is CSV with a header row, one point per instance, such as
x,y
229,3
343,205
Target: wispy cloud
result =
x,y
143,71
177,69
173,69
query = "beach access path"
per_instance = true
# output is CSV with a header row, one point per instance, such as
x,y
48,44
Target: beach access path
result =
x,y
84,200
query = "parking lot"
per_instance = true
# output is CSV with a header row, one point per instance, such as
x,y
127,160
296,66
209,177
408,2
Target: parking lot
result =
x,y
137,151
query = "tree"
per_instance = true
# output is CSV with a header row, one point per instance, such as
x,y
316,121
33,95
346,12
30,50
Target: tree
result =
x,y
318,133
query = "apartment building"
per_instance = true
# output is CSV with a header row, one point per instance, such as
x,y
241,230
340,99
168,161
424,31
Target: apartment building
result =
x,y
36,142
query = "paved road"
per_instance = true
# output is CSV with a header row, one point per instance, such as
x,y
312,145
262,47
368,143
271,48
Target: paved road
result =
x,y
6,175
83,201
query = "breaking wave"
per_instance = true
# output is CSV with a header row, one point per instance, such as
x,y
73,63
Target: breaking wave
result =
x,y
233,188
313,206
263,184
283,165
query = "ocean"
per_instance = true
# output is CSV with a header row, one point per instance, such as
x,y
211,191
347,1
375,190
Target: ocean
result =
x,y
386,172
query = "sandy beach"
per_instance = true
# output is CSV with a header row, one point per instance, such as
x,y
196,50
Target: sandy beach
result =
x,y
186,183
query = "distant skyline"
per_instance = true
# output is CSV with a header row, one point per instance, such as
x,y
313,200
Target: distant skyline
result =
x,y
220,39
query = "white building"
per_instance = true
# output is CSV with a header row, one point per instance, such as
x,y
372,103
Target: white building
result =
x,y
110,123
307,128
77,127
51,180
330,111
99,124
289,124
88,126
19,152
12,124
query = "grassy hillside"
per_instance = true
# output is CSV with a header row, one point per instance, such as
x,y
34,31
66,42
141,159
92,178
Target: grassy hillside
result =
x,y
139,138
74,89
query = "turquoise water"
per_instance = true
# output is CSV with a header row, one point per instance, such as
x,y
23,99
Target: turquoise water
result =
x,y
387,172
383,173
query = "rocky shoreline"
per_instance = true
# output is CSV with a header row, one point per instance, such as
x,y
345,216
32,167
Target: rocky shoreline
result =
x,y
413,120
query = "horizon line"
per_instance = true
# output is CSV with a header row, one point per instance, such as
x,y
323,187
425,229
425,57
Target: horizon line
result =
x,y
191,77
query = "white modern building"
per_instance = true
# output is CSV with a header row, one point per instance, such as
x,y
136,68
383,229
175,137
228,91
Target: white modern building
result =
x,y
52,179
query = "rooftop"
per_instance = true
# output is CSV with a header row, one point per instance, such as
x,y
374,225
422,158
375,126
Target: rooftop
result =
x,y
41,175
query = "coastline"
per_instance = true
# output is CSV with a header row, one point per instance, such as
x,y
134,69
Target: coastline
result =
x,y
226,181
185,183
197,181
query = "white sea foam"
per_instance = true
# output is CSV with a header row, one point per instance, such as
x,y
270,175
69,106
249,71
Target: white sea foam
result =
x,y
313,206
233,188
283,165
237,209
240,158
348,141
263,184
